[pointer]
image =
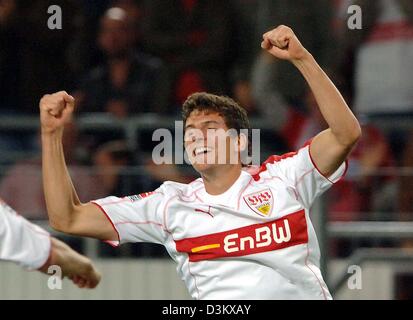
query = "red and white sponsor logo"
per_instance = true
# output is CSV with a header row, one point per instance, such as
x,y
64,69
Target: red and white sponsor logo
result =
x,y
288,231
146,194
140,196
261,202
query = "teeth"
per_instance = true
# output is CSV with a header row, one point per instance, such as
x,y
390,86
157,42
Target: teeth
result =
x,y
201,150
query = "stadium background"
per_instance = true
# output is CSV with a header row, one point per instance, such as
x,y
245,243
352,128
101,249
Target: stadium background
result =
x,y
130,64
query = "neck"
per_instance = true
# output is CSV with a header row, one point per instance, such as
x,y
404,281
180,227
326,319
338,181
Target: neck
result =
x,y
119,62
122,56
119,72
219,181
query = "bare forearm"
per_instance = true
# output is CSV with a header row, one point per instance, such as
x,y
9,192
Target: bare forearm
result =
x,y
61,197
331,146
76,267
58,255
342,122
65,211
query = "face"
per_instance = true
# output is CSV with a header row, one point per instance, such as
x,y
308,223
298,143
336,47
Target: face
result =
x,y
115,36
209,143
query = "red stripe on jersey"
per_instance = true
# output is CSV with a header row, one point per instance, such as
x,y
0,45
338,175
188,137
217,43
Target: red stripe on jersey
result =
x,y
391,31
110,242
273,159
287,231
324,175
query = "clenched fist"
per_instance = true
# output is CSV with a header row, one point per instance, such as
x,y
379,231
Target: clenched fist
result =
x,y
282,43
55,111
76,267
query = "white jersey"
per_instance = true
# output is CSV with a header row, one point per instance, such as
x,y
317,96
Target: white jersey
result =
x,y
384,62
21,241
254,241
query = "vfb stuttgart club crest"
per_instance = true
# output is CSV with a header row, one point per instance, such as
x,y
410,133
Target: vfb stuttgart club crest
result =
x,y
260,202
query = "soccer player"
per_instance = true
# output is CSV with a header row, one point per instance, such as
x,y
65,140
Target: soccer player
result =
x,y
34,249
234,233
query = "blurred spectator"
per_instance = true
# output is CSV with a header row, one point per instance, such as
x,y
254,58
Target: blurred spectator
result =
x,y
278,89
383,57
167,172
248,11
270,101
9,69
112,161
22,185
246,45
365,190
9,64
204,43
128,82
406,182
376,65
34,59
311,21
117,175
365,193
405,188
134,9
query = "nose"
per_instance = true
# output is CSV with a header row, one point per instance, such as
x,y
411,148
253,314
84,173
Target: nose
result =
x,y
196,136
199,137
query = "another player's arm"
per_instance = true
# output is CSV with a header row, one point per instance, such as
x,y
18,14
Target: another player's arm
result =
x,y
66,213
76,267
332,146
29,245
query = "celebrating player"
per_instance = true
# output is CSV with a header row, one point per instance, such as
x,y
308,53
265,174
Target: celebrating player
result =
x,y
32,247
234,233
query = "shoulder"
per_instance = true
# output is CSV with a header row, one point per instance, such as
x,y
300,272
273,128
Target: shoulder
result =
x,y
175,189
289,157
6,213
277,164
4,208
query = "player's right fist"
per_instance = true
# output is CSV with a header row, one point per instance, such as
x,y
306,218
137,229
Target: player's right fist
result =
x,y
75,266
55,111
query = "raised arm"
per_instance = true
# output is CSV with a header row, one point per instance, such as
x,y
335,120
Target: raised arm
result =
x,y
332,146
66,213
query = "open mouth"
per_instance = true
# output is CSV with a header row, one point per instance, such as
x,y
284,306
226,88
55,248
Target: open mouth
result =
x,y
201,150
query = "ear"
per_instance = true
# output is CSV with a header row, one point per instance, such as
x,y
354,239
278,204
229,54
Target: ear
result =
x,y
242,142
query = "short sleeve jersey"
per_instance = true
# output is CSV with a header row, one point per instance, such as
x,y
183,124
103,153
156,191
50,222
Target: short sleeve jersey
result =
x,y
21,241
254,241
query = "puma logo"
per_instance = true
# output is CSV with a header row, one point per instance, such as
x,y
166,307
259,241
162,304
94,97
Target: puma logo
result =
x,y
207,212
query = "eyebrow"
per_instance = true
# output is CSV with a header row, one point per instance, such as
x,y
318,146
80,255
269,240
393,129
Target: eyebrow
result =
x,y
202,123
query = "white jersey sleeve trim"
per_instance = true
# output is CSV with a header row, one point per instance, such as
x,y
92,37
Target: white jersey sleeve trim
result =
x,y
113,243
136,218
336,176
22,242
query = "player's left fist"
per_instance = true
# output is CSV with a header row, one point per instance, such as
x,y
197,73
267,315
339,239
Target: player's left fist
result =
x,y
282,43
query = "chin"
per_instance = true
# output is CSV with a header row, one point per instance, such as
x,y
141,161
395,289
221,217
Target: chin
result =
x,y
203,168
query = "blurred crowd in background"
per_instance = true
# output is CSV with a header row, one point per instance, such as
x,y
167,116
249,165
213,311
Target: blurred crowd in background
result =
x,y
126,58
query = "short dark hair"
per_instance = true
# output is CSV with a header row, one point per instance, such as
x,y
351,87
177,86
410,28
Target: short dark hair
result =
x,y
234,115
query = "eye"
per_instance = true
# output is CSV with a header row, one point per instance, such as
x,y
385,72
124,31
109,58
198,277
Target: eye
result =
x,y
189,135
